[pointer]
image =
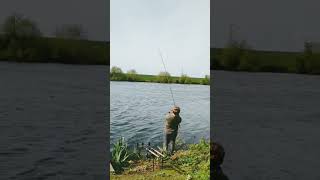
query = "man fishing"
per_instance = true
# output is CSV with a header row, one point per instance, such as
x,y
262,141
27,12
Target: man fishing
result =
x,y
172,123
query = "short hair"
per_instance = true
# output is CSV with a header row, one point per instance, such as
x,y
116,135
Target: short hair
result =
x,y
176,108
216,153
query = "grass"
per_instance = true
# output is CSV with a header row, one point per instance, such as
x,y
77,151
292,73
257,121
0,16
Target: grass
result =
x,y
237,58
156,175
175,79
284,60
191,162
57,50
154,78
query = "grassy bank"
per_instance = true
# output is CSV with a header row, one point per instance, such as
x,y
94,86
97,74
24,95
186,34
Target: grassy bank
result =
x,y
190,162
57,50
241,59
116,74
155,79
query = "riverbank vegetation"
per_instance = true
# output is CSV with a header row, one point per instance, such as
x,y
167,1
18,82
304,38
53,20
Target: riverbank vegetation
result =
x,y
116,74
240,57
189,162
21,40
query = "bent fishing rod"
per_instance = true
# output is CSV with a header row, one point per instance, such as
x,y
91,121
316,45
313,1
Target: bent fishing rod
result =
x,y
167,75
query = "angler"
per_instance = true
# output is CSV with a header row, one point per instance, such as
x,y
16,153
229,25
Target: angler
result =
x,y
172,124
172,120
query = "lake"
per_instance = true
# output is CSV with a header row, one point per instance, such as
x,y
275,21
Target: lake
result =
x,y
138,109
53,121
268,123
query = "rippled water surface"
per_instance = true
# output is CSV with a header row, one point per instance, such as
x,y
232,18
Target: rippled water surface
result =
x,y
52,121
138,110
269,124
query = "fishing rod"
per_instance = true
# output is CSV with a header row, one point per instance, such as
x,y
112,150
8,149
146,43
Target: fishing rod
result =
x,y
167,74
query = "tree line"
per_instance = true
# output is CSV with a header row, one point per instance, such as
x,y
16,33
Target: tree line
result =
x,y
238,56
116,74
22,40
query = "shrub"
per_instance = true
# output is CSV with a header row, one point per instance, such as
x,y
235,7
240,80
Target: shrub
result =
x,y
19,27
313,63
132,75
206,80
164,77
184,79
196,160
248,62
300,65
117,74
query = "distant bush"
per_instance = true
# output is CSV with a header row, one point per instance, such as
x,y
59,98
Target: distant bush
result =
x,y
184,79
164,77
301,65
19,27
206,80
116,74
248,62
231,55
313,63
22,41
230,58
132,75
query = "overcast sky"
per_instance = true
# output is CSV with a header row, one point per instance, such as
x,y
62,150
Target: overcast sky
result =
x,y
269,24
49,14
180,28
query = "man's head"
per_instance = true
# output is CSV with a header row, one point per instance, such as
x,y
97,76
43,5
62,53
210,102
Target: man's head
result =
x,y
175,110
217,154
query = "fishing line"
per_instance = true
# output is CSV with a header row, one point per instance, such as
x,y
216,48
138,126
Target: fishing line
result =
x,y
167,75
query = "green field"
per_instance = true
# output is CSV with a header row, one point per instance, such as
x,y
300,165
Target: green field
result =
x,y
236,59
175,79
155,79
274,60
57,50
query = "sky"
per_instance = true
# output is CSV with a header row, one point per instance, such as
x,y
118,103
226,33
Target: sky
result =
x,y
267,25
180,29
48,14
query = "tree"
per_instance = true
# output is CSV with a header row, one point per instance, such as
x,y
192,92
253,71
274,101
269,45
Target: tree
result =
x,y
206,80
231,55
20,37
164,77
184,79
17,26
117,74
132,75
71,31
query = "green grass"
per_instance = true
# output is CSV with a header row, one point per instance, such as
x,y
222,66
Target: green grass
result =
x,y
264,61
153,78
56,50
191,162
165,174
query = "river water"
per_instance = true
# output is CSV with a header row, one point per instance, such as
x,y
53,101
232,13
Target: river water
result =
x,y
268,123
138,109
53,121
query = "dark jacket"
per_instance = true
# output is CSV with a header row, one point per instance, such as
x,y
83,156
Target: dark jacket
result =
x,y
216,173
